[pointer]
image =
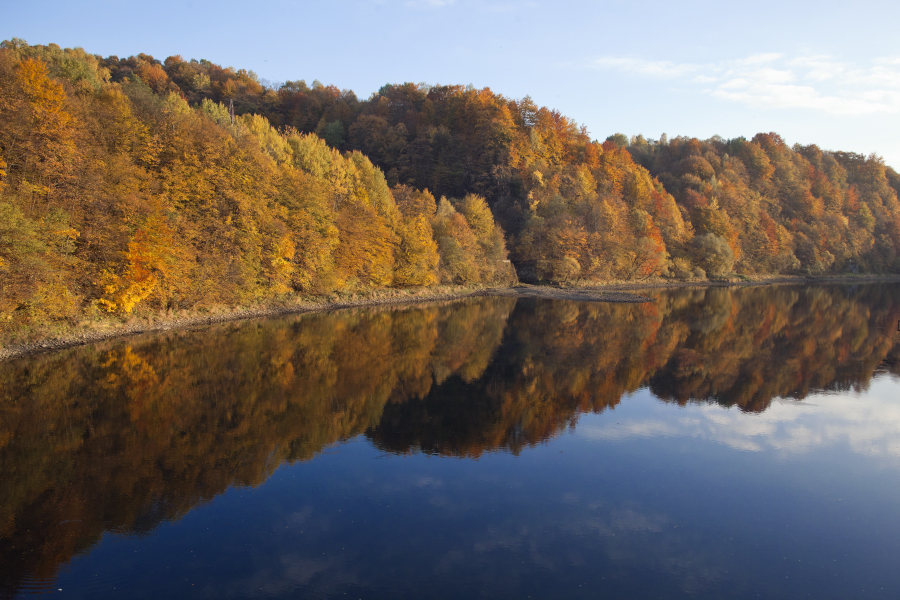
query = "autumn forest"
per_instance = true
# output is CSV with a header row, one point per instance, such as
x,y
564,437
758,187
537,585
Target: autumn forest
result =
x,y
135,184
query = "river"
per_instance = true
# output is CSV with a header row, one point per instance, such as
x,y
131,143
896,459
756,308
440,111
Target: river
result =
x,y
713,443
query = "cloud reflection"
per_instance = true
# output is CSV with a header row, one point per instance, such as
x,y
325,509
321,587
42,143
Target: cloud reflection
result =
x,y
867,423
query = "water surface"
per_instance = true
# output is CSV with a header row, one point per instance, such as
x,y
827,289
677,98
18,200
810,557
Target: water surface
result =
x,y
714,443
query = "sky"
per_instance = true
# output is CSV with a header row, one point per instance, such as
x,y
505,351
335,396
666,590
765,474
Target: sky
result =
x,y
818,72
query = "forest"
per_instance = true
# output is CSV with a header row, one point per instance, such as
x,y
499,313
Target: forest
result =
x,y
133,185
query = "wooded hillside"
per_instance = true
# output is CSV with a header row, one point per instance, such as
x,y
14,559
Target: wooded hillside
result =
x,y
120,194
135,184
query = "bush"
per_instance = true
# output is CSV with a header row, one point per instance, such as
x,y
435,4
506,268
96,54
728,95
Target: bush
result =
x,y
559,271
681,268
713,254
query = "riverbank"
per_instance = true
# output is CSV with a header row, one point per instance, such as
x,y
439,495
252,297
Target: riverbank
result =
x,y
738,282
629,291
599,293
89,331
105,328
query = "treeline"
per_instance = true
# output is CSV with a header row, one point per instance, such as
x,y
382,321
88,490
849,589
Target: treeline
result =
x,y
572,208
122,435
575,208
783,209
137,183
116,194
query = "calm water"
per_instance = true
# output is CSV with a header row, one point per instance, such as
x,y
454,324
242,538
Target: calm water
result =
x,y
714,443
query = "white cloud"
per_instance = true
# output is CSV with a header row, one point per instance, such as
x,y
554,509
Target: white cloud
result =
x,y
765,95
759,59
774,81
660,69
818,68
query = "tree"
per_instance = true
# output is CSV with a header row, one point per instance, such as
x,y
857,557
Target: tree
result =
x,y
713,254
619,139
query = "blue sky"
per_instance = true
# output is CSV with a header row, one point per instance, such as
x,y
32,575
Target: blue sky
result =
x,y
816,72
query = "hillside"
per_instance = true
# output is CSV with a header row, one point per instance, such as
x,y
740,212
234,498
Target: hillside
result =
x,y
140,185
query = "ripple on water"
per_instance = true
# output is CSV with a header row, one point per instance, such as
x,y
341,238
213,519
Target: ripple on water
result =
x,y
80,584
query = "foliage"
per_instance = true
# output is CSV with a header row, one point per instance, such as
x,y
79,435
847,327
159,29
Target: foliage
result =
x,y
134,184
131,186
713,254
783,209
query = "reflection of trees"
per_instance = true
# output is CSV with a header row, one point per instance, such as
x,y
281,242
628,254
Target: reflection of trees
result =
x,y
123,435
781,342
891,363
738,347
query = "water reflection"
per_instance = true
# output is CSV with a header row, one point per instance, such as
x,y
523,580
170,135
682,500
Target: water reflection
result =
x,y
739,348
122,436
866,424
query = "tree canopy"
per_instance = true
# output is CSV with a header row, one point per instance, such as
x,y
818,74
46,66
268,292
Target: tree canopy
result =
x,y
137,184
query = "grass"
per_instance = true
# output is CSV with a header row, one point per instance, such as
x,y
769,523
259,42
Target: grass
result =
x,y
94,321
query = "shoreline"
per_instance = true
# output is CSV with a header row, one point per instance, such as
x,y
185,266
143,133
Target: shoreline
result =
x,y
605,292
759,281
110,329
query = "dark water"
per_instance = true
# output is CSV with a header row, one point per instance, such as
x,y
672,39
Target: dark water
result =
x,y
715,443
